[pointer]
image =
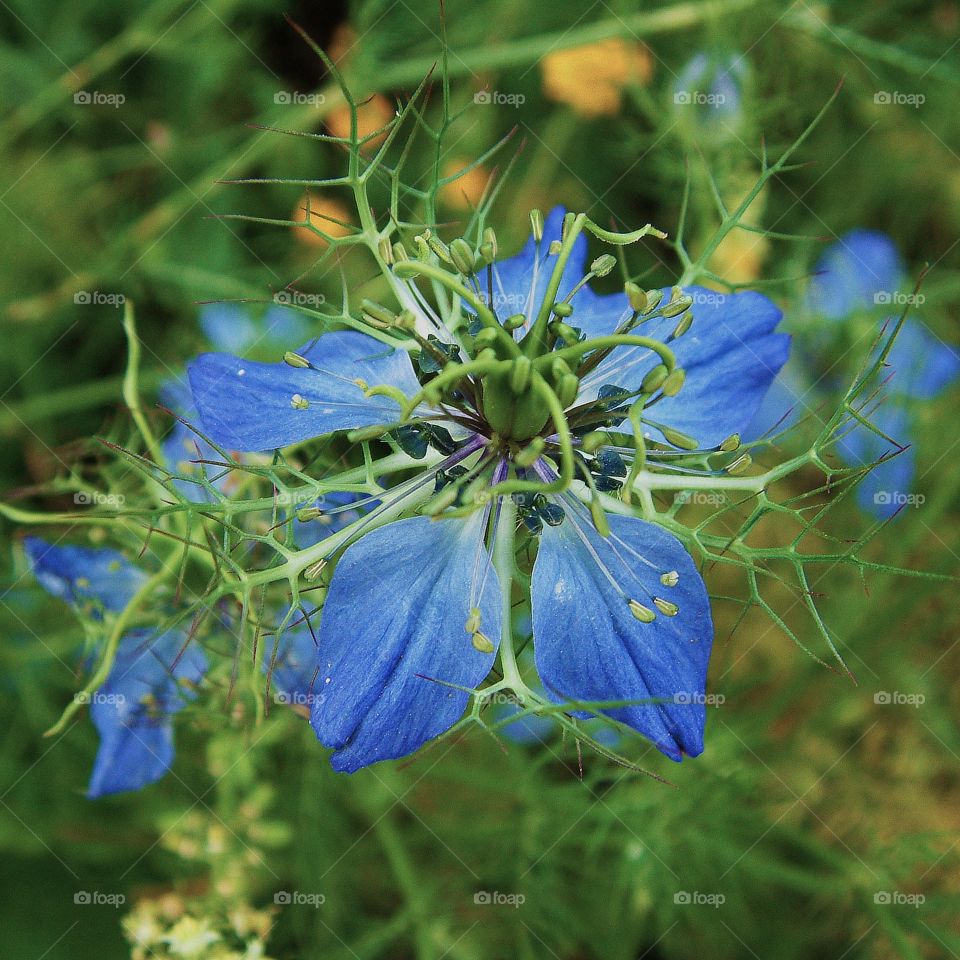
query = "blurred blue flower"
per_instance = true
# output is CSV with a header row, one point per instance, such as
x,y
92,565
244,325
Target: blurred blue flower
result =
x,y
411,620
151,674
150,681
91,579
292,667
859,275
711,87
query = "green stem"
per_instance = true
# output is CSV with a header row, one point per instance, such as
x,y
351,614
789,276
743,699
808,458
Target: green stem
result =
x,y
534,342
411,269
109,653
576,350
504,548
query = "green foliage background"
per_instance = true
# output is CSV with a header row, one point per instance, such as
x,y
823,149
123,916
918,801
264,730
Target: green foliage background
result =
x,y
811,798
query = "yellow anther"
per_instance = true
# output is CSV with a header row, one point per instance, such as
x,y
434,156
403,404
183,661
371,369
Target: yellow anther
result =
x,y
482,642
642,613
667,608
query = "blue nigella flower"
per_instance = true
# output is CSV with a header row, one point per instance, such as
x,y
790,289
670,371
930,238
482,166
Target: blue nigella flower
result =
x,y
151,674
88,578
862,275
712,86
411,620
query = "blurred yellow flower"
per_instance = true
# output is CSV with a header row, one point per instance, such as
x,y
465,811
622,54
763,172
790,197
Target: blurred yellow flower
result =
x,y
466,191
343,42
372,115
320,207
741,254
591,78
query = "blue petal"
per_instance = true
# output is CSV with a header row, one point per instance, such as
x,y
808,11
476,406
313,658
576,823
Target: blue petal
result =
x,y
132,709
293,669
247,406
525,730
285,326
788,401
923,366
182,447
719,76
513,277
590,647
81,575
731,355
232,328
852,272
131,757
228,327
887,488
392,626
